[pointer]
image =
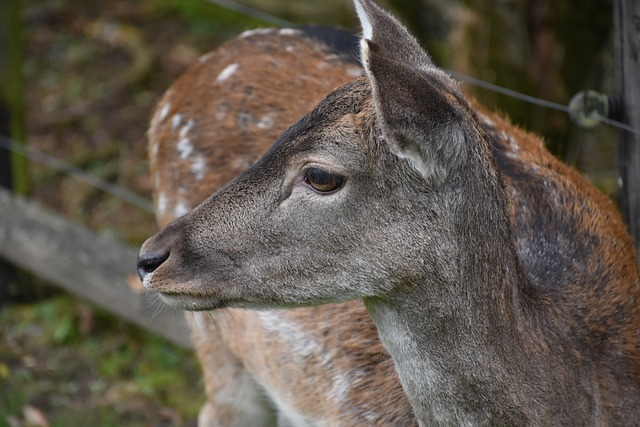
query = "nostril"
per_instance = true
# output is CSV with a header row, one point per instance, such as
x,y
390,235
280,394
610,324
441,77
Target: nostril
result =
x,y
149,262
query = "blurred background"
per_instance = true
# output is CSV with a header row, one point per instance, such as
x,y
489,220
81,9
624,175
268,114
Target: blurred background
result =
x,y
79,81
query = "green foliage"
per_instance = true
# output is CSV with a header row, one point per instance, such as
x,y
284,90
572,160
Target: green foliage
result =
x,y
12,398
204,18
82,366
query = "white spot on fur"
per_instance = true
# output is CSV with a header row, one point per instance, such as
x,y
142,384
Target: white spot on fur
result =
x,y
181,209
288,32
512,155
227,72
159,117
185,148
486,120
154,150
428,168
266,122
302,344
511,140
205,57
153,127
355,72
164,111
162,202
341,386
259,31
198,166
176,121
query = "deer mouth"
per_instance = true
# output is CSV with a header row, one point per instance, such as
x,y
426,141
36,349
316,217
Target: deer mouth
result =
x,y
192,302
185,296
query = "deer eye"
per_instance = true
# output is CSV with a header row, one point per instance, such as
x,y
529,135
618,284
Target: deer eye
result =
x,y
322,181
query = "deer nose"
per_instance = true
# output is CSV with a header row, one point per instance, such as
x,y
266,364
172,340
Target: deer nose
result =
x,y
148,262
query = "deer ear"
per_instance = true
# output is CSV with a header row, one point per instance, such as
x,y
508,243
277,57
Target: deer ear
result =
x,y
384,30
417,105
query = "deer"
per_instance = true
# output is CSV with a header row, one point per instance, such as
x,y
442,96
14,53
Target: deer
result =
x,y
503,286
271,367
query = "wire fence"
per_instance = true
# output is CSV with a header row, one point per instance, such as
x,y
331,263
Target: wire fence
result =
x,y
91,180
253,13
143,203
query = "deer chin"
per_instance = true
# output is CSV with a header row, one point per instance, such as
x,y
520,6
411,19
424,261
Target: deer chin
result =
x,y
191,302
184,295
206,296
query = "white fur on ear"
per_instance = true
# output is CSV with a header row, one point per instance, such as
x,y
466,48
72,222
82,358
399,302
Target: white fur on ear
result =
x,y
364,55
367,29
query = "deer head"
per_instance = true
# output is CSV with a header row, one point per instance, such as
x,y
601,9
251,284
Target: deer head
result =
x,y
350,202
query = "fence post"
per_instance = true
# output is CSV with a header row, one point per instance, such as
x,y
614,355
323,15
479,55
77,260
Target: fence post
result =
x,y
11,123
14,172
626,24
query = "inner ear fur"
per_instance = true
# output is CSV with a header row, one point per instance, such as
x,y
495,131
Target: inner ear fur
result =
x,y
418,112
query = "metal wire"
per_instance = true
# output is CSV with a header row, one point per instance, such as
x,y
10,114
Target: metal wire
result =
x,y
253,13
535,101
619,125
91,180
258,14
146,205
509,92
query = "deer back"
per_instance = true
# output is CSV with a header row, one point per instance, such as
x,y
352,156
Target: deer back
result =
x,y
219,117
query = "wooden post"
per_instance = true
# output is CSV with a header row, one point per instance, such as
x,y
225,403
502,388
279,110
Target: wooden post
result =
x,y
78,260
11,122
626,23
12,94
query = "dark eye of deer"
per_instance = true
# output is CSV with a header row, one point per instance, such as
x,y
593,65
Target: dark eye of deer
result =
x,y
323,181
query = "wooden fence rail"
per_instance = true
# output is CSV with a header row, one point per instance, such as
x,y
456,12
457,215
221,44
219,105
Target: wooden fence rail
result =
x,y
80,261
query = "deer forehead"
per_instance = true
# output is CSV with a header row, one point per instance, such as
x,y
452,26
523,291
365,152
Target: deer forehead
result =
x,y
345,116
338,145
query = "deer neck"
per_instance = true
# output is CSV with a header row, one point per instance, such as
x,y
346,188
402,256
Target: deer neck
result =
x,y
452,329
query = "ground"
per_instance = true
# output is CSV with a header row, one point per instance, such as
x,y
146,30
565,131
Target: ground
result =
x,y
64,363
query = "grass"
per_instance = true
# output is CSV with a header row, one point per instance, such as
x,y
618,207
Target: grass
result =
x,y
81,366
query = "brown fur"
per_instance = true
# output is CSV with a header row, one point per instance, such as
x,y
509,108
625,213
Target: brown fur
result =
x,y
584,241
231,341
